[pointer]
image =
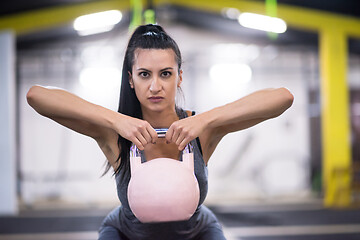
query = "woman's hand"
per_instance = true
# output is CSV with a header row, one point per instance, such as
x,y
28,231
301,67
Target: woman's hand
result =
x,y
181,132
138,131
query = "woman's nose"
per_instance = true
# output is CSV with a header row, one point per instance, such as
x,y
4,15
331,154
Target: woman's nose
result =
x,y
155,85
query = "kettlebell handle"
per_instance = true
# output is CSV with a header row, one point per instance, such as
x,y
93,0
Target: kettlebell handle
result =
x,y
134,151
161,132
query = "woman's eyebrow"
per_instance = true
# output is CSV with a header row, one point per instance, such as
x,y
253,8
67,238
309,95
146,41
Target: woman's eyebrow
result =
x,y
143,69
168,68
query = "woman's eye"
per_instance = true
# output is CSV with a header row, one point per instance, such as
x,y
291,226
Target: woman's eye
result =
x,y
166,74
144,74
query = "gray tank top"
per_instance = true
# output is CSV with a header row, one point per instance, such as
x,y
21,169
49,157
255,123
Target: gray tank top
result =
x,y
134,229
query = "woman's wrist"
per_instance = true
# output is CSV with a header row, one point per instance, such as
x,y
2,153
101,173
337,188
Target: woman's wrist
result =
x,y
114,120
206,118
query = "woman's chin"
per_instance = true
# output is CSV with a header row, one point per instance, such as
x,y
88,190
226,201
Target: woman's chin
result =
x,y
155,108
158,108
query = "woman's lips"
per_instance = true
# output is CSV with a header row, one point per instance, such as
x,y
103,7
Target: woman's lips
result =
x,y
155,99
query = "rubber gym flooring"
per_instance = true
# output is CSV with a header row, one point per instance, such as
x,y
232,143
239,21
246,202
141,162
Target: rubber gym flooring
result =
x,y
256,222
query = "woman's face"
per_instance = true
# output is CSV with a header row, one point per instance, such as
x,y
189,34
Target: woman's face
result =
x,y
155,78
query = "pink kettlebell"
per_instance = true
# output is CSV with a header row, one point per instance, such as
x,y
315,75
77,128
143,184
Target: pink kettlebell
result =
x,y
163,189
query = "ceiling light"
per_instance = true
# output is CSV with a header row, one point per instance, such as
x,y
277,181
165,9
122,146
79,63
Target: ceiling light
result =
x,y
97,22
231,13
262,22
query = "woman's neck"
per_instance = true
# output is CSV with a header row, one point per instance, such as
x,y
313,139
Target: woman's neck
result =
x,y
160,119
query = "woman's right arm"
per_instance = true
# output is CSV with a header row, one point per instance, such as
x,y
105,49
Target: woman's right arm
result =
x,y
97,122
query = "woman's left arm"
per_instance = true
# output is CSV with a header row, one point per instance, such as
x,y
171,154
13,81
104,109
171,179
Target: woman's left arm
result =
x,y
241,114
248,111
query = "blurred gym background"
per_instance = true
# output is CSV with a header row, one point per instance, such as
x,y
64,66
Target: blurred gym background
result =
x,y
293,177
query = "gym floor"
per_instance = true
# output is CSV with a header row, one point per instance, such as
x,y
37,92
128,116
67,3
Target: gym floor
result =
x,y
251,222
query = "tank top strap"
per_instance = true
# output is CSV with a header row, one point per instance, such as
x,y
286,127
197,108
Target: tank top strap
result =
x,y
181,113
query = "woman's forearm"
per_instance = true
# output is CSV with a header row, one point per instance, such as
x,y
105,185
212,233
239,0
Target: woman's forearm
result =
x,y
89,119
263,104
58,103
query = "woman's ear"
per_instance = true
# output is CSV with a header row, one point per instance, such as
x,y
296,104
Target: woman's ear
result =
x,y
131,82
180,78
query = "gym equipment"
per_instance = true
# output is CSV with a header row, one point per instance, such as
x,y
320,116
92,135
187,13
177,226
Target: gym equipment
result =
x,y
163,189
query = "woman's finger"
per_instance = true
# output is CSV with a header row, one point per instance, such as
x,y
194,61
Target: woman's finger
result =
x,y
146,135
152,134
138,144
179,139
183,144
169,133
175,135
142,140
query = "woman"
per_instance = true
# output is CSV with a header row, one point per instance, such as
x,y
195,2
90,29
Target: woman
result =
x,y
151,76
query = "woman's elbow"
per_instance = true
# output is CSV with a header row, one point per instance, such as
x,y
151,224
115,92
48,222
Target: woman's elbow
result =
x,y
284,101
287,97
32,93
